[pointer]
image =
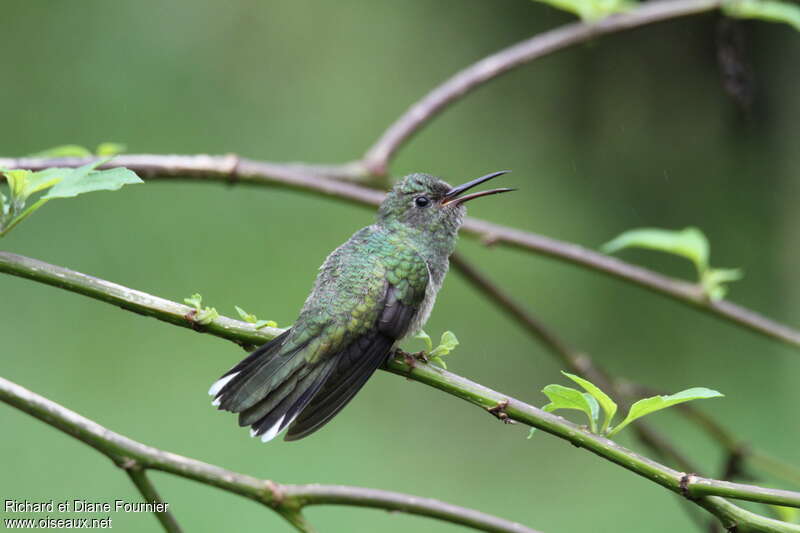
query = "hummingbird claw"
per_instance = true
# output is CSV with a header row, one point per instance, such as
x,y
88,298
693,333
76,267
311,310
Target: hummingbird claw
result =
x,y
411,358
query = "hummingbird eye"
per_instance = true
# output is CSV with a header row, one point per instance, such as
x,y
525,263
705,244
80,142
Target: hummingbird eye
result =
x,y
422,201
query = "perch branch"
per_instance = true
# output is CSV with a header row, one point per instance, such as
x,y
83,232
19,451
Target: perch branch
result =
x,y
704,492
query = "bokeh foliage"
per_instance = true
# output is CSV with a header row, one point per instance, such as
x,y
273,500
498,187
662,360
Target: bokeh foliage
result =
x,y
634,130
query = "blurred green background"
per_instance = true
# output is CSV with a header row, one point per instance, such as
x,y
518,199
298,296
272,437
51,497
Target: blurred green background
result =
x,y
627,131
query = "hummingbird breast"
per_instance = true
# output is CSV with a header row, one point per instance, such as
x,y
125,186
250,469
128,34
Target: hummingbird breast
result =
x,y
425,308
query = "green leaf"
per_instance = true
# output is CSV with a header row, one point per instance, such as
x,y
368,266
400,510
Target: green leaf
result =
x,y
17,184
85,179
427,339
689,242
247,317
108,149
595,408
195,300
764,10
562,397
206,316
65,150
44,179
62,182
24,183
253,319
530,433
439,361
447,344
590,10
656,403
713,281
608,405
202,315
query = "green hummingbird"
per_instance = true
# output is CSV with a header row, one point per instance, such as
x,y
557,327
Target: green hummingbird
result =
x,y
370,293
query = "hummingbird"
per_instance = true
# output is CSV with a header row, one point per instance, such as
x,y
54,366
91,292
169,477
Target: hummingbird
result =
x,y
371,292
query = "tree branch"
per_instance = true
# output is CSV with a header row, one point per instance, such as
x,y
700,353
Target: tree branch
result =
x,y
703,491
377,158
139,477
238,170
130,299
287,500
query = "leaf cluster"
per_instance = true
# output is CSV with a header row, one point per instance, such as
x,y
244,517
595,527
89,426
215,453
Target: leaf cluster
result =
x,y
447,344
593,399
53,183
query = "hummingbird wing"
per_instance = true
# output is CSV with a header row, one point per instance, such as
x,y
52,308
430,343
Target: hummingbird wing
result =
x,y
365,299
356,363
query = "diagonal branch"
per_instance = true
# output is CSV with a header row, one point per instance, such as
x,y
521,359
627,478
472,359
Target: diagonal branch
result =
x,y
139,477
378,156
287,500
703,491
238,170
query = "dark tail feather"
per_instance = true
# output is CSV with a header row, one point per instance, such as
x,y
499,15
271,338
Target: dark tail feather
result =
x,y
274,388
269,388
355,365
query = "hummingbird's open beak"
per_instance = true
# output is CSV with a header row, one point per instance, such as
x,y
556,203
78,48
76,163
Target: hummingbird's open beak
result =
x,y
452,194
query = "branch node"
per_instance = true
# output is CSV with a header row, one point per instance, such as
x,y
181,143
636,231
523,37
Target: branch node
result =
x,y
410,359
686,481
499,412
194,324
275,493
231,168
489,239
375,168
128,464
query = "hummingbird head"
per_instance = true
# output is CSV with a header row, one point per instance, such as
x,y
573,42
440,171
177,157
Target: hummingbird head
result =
x,y
426,203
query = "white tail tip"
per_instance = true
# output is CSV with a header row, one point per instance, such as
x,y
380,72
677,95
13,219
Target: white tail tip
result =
x,y
220,383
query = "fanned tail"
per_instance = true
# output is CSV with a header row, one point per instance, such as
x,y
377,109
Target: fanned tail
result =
x,y
273,388
269,388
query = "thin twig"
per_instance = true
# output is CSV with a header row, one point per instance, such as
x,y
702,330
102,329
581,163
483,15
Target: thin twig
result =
x,y
139,477
377,158
287,500
219,168
700,490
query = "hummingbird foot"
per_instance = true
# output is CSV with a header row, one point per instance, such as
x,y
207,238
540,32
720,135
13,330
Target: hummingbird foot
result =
x,y
499,412
411,358
421,355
